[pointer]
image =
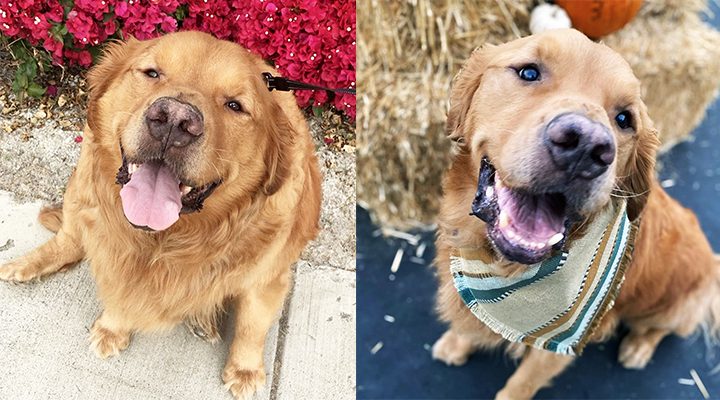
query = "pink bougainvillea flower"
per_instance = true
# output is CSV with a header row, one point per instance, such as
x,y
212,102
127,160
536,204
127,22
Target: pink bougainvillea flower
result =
x,y
121,9
51,91
306,40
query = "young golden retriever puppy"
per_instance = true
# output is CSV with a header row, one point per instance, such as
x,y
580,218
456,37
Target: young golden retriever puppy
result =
x,y
195,186
562,129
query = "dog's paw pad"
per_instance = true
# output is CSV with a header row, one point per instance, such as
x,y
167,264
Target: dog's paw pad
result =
x,y
106,343
452,349
635,353
243,383
17,272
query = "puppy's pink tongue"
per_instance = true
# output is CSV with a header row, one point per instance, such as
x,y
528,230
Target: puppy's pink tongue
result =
x,y
152,197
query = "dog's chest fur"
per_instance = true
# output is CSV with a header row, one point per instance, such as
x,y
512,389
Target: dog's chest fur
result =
x,y
165,278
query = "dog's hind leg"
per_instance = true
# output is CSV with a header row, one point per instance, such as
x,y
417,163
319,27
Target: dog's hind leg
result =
x,y
66,247
51,217
536,370
60,251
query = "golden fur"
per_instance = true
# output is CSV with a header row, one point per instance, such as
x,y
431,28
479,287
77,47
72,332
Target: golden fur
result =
x,y
238,248
672,283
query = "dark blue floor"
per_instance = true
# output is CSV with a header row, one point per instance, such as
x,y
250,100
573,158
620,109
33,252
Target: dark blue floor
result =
x,y
403,368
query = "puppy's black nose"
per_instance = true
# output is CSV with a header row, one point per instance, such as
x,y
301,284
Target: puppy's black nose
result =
x,y
172,121
579,146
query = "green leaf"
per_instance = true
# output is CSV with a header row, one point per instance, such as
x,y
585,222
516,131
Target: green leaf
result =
x,y
30,69
95,52
35,90
67,5
21,80
317,111
58,31
20,51
181,12
16,86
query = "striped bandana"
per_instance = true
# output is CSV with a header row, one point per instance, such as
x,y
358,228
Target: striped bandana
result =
x,y
556,304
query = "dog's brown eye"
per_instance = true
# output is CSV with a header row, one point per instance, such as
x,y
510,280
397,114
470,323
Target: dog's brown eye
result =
x,y
234,105
152,73
624,120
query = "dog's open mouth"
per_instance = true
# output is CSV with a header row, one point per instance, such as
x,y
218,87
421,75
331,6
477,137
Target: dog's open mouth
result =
x,y
153,197
524,226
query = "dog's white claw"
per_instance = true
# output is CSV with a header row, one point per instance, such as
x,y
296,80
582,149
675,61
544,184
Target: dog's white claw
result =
x,y
555,239
185,189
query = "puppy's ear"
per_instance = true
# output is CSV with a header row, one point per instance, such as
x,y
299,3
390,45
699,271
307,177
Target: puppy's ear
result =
x,y
277,128
113,62
641,167
464,85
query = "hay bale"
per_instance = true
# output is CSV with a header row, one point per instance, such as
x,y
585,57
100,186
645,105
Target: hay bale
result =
x,y
409,51
678,66
408,54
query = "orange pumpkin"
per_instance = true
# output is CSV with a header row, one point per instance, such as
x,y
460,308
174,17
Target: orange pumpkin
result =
x,y
597,18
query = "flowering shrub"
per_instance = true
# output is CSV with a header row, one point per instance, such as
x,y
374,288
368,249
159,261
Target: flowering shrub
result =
x,y
308,40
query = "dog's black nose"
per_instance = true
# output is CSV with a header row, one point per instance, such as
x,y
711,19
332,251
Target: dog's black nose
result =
x,y
172,121
579,146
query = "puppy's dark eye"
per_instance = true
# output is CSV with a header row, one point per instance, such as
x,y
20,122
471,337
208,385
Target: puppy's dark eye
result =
x,y
529,73
234,105
151,73
624,120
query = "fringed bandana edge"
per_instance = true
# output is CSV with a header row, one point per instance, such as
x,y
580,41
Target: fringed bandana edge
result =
x,y
557,304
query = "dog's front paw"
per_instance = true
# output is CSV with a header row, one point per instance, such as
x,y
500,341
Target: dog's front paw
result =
x,y
243,383
106,343
18,271
512,394
452,349
635,352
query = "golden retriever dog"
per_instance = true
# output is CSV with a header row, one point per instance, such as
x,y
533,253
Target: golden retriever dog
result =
x,y
561,122
195,186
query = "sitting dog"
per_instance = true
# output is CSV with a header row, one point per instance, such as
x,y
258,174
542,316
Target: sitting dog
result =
x,y
195,186
549,131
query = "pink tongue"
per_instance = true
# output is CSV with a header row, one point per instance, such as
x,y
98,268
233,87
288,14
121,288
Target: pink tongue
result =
x,y
531,216
152,197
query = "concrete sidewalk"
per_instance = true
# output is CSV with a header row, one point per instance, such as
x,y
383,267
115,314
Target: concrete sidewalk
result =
x,y
310,353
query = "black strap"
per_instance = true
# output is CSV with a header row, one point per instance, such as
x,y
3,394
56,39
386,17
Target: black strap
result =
x,y
285,85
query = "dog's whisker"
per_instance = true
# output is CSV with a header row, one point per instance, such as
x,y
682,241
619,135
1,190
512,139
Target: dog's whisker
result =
x,y
579,227
628,194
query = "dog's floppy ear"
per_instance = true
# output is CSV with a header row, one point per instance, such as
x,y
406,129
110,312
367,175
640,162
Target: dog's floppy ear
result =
x,y
464,85
280,137
278,130
641,167
112,63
